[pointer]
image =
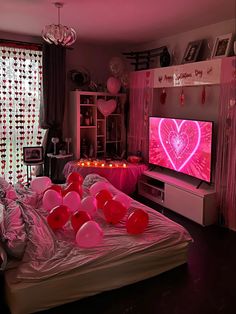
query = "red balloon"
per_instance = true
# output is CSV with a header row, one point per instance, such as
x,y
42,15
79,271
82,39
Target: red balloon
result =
x,y
102,197
114,211
58,217
79,218
74,177
137,221
74,186
56,188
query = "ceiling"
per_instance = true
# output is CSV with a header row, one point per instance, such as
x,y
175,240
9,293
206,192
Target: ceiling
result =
x,y
115,21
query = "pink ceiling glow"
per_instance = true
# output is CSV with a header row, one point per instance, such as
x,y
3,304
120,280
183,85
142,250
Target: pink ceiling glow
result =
x,y
124,21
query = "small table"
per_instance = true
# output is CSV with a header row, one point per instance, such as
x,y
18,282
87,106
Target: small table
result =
x,y
59,167
29,165
124,179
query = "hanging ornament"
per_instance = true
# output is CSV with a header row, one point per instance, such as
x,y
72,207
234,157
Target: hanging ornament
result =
x,y
203,95
163,96
181,98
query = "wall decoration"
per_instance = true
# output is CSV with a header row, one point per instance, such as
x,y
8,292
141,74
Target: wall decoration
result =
x,y
33,154
142,59
190,74
165,58
192,51
221,46
203,98
163,96
181,97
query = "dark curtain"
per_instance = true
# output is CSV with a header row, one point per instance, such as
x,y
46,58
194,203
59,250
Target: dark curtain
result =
x,y
53,103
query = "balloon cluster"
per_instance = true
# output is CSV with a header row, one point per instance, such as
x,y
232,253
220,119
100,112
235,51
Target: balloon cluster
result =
x,y
68,204
116,207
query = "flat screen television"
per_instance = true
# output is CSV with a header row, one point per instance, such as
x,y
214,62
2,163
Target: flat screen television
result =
x,y
181,145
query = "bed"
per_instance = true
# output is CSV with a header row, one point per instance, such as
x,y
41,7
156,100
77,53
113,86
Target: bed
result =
x,y
52,269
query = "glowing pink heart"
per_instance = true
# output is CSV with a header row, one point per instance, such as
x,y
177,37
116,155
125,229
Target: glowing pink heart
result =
x,y
179,141
106,107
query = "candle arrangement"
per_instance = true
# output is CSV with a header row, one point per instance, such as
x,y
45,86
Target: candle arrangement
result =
x,y
102,163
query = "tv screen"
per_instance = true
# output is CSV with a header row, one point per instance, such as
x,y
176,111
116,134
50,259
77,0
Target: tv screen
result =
x,y
181,145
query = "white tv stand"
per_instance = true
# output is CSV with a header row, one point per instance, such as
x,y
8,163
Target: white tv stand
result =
x,y
180,195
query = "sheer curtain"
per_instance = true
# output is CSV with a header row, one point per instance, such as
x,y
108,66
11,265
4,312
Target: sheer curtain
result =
x,y
226,150
141,107
20,89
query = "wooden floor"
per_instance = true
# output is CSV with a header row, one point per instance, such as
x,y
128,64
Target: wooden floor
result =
x,y
206,285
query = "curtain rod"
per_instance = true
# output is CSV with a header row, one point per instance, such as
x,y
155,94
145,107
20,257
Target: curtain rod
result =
x,y
17,42
8,41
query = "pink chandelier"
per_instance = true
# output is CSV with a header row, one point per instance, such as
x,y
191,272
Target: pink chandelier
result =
x,y
59,34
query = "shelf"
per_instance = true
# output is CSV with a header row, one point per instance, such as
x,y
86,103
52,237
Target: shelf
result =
x,y
88,126
152,186
110,142
180,195
84,106
88,105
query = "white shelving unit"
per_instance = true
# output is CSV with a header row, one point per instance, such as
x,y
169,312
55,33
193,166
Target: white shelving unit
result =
x,y
92,133
180,195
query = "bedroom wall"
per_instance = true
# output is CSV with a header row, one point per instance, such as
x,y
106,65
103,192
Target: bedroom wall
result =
x,y
192,108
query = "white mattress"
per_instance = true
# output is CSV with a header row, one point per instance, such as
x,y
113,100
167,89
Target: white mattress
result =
x,y
73,273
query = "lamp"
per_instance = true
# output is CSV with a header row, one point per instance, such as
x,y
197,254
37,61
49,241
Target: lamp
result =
x,y
59,34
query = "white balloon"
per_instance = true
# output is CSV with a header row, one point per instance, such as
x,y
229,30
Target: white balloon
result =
x,y
72,201
89,204
117,66
123,199
51,199
97,187
89,234
40,184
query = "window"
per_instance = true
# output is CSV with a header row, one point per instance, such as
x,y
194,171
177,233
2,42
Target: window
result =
x,y
20,92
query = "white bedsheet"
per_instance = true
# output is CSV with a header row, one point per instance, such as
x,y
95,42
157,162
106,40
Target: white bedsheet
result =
x,y
117,244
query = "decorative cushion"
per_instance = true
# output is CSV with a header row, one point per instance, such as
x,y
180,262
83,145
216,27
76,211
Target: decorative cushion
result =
x,y
12,229
42,242
92,178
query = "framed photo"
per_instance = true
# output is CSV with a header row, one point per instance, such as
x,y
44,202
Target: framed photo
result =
x,y
221,46
33,154
192,51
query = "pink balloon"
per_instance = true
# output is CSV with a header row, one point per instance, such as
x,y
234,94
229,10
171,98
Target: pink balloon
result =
x,y
89,204
51,199
113,85
72,201
40,184
97,187
89,235
123,199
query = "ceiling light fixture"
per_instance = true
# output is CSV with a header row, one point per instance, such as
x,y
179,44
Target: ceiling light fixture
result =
x,y
59,34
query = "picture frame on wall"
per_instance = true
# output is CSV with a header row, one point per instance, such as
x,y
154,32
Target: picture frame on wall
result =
x,y
33,155
192,51
221,46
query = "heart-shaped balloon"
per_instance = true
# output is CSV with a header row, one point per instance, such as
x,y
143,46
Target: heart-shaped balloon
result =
x,y
106,107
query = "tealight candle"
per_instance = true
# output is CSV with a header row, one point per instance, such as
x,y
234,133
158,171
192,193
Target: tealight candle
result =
x,y
95,164
82,164
110,165
88,163
102,165
124,165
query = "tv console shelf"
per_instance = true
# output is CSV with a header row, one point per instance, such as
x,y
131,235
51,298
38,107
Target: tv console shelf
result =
x,y
180,195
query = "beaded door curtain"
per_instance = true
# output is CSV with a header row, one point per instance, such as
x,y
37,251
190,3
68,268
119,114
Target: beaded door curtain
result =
x,y
20,92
